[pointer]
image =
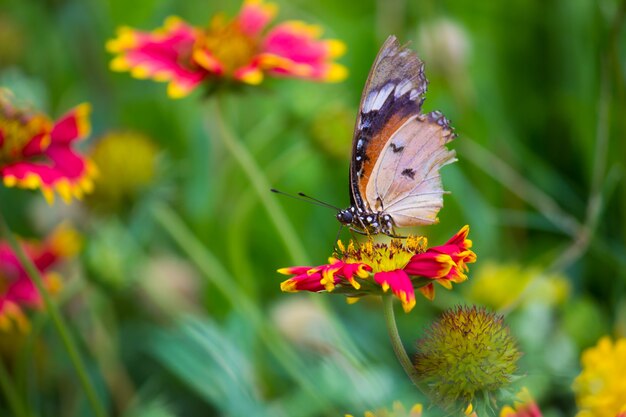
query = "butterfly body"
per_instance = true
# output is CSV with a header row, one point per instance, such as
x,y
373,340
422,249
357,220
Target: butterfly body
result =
x,y
396,150
367,222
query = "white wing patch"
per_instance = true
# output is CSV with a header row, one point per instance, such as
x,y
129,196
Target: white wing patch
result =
x,y
405,182
376,98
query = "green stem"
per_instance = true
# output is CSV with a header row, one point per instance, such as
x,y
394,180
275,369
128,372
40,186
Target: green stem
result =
x,y
58,321
15,403
261,186
396,342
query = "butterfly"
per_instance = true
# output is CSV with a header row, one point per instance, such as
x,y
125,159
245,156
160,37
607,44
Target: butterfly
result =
x,y
396,150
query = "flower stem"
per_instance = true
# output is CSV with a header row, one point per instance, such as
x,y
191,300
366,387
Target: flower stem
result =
x,y
18,408
261,186
396,342
58,321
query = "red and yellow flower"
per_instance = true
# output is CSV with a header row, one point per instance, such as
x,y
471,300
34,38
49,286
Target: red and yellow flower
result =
x,y
17,290
525,406
36,152
237,49
372,268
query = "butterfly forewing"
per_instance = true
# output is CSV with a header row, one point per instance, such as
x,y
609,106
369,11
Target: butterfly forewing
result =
x,y
393,93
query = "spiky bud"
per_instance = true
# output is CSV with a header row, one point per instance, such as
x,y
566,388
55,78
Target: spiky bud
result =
x,y
466,355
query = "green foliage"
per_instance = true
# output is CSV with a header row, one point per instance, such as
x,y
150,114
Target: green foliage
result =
x,y
179,321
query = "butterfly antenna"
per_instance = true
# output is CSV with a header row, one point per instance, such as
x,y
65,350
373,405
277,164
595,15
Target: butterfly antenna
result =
x,y
304,197
318,201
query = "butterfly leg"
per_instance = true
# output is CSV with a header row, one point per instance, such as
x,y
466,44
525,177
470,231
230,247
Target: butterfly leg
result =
x,y
392,233
335,247
361,232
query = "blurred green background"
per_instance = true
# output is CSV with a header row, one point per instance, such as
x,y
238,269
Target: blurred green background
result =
x,y
190,320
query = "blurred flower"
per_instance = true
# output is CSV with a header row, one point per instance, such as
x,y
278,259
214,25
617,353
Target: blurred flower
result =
x,y
466,355
601,386
16,288
119,181
37,153
303,323
498,285
398,410
524,407
398,266
235,49
168,284
444,44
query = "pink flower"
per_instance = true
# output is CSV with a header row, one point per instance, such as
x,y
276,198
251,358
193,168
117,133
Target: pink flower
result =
x,y
446,264
239,49
369,268
17,289
38,153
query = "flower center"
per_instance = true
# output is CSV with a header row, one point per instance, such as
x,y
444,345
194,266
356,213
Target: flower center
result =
x,y
16,131
228,44
383,257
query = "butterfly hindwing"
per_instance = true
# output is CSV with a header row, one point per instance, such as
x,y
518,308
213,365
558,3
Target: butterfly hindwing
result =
x,y
405,181
393,94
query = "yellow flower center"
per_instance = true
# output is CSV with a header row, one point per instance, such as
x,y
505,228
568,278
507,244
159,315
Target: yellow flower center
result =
x,y
16,133
228,44
383,257
17,129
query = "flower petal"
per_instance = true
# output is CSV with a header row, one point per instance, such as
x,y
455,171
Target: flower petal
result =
x,y
400,285
255,15
430,265
293,49
525,407
73,125
251,74
428,291
448,261
11,315
17,289
162,55
68,173
303,282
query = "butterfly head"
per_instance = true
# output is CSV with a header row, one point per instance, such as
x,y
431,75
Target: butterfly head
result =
x,y
346,216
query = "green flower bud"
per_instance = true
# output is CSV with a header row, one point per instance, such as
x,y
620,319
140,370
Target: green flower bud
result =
x,y
466,355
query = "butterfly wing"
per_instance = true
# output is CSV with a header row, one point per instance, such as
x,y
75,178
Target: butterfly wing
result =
x,y
393,94
405,180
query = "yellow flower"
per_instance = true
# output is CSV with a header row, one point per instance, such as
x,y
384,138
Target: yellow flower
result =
x,y
601,386
498,285
120,180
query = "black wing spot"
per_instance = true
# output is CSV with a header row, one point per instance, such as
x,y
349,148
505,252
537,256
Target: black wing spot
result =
x,y
409,173
395,148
